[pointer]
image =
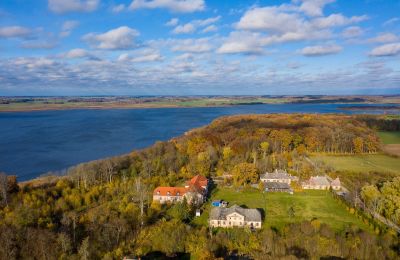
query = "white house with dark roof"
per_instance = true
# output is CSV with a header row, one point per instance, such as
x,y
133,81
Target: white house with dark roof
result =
x,y
277,176
336,184
235,216
321,183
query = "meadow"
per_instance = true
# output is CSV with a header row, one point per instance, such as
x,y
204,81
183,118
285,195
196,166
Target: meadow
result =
x,y
307,205
362,163
389,137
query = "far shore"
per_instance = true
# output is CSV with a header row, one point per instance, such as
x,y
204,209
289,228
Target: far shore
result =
x,y
28,104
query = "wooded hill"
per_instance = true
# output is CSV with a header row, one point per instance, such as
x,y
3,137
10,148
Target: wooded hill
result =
x,y
103,209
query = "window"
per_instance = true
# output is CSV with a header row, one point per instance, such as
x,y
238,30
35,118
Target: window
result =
x,y
168,193
158,192
177,194
257,224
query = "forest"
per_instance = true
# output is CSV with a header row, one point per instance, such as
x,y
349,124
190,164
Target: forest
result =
x,y
103,209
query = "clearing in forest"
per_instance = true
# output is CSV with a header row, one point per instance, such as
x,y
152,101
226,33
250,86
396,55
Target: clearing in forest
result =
x,y
362,163
283,208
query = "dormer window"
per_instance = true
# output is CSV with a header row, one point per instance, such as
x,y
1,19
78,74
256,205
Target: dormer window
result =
x,y
168,193
177,194
158,192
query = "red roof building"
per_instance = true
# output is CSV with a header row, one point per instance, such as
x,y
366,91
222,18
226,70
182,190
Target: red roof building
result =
x,y
194,191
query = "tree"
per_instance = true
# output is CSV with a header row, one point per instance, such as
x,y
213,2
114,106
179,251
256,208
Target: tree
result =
x,y
358,144
84,250
371,196
244,173
4,188
264,146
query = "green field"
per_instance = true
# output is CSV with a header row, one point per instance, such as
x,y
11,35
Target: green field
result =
x,y
389,137
307,205
362,163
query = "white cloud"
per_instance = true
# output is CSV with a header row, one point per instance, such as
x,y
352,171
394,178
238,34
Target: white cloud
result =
x,y
210,28
119,38
321,50
77,53
285,23
118,8
335,20
242,42
181,6
207,21
186,28
172,22
195,24
391,21
352,32
64,6
14,32
147,55
270,19
67,27
390,49
384,38
199,45
314,7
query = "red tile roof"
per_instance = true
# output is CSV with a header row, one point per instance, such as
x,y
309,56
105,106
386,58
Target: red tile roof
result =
x,y
173,191
198,181
196,184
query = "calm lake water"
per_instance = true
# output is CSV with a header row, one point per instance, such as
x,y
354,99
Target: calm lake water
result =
x,y
33,143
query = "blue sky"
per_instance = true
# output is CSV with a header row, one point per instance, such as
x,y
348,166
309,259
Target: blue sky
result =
x,y
199,47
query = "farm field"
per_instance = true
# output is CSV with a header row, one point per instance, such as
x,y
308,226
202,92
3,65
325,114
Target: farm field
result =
x,y
362,163
307,205
390,137
391,141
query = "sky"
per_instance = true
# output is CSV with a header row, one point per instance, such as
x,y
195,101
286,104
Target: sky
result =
x,y
199,47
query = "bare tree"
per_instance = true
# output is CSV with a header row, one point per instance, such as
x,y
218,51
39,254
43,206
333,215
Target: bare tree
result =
x,y
4,188
108,168
141,195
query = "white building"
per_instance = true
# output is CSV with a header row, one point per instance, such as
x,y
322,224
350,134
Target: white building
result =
x,y
277,176
235,216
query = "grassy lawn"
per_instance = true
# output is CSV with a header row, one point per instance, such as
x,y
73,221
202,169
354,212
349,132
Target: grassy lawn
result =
x,y
390,137
307,205
362,163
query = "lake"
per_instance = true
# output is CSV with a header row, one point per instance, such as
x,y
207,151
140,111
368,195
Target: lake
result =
x,y
33,143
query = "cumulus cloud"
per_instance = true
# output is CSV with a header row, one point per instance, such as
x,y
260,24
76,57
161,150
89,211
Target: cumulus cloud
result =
x,y
352,32
335,20
64,6
118,8
384,38
243,42
68,27
314,7
76,54
195,24
147,55
285,23
181,6
390,49
199,45
14,32
320,50
172,22
117,39
186,28
210,28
